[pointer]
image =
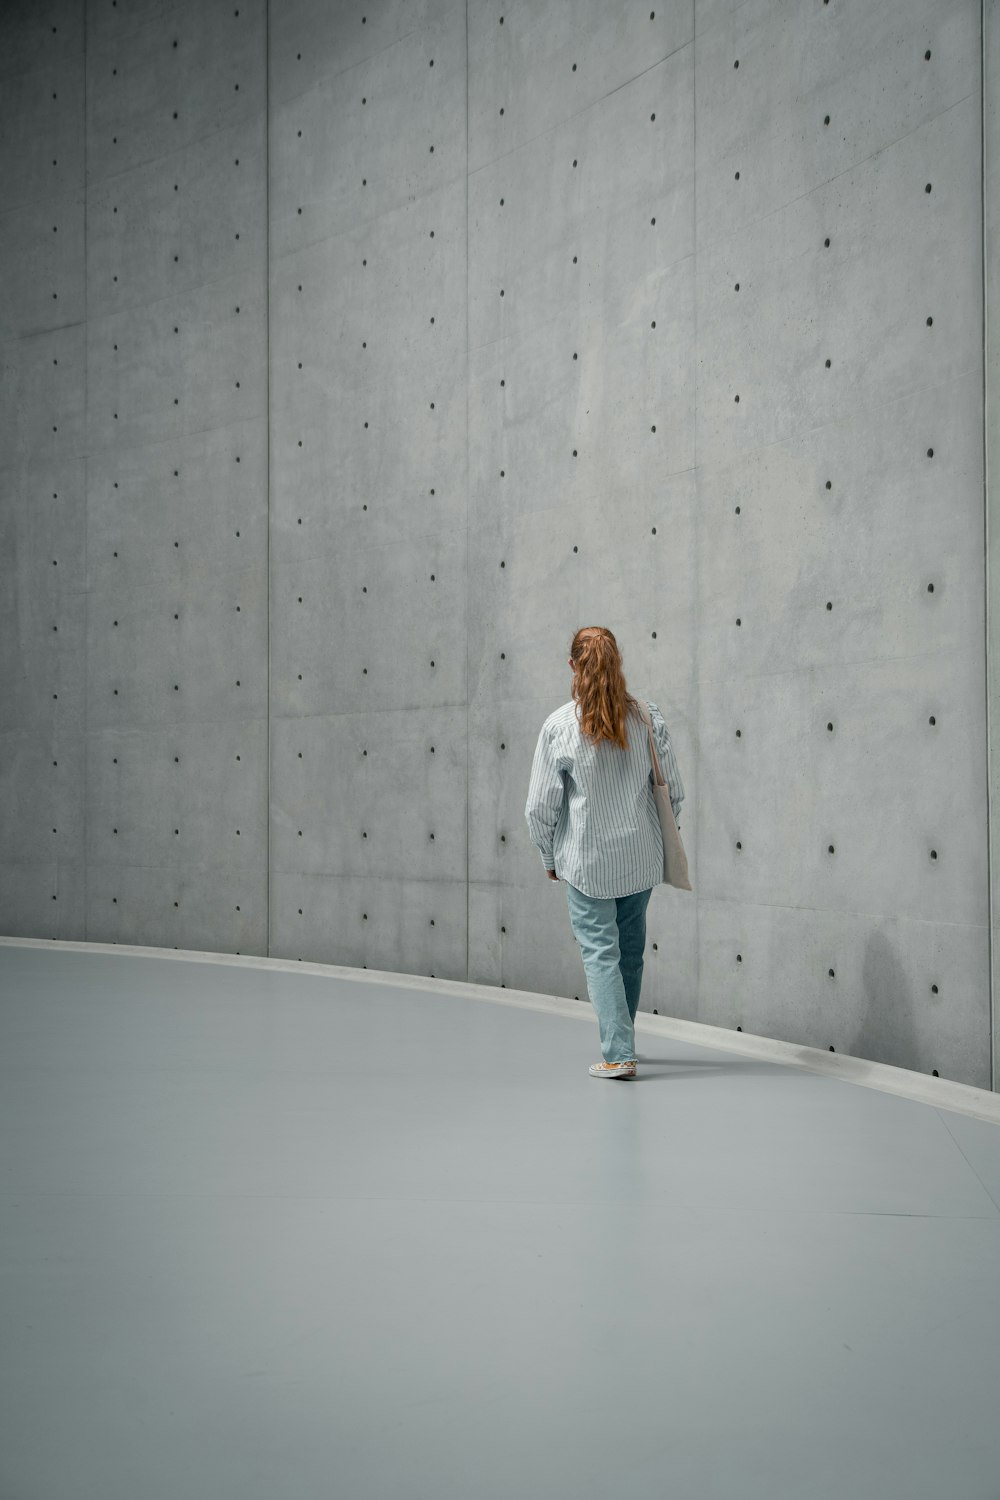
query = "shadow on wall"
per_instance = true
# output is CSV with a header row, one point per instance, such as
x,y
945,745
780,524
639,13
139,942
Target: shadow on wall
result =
x,y
887,1032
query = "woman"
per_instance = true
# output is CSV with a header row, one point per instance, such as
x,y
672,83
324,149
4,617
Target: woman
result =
x,y
591,813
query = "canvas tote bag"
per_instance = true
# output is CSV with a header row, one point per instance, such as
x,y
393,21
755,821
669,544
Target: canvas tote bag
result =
x,y
675,865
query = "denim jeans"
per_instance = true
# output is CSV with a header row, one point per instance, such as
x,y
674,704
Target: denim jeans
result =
x,y
611,933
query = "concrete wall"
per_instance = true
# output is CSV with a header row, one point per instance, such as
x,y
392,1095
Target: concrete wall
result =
x,y
354,356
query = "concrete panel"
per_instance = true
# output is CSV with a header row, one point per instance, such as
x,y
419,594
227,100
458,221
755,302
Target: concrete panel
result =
x,y
42,286
572,342
43,532
626,219
163,78
369,857
586,356
872,985
857,517
41,111
345,153
373,921
178,614
164,372
181,222
864,66
544,66
43,616
314,41
337,428
368,437
40,38
912,845
178,846
897,257
131,770
43,722
369,335
859,452
177,572
42,414
227,466
362,666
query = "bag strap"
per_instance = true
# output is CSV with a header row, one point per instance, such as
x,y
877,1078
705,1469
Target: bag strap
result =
x,y
645,715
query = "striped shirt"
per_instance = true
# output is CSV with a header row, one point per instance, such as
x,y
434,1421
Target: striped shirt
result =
x,y
590,809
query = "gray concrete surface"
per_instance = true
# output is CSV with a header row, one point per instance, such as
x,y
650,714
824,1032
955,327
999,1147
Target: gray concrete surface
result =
x,y
317,444
287,1234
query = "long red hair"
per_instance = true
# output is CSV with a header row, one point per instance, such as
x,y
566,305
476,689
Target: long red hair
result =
x,y
599,685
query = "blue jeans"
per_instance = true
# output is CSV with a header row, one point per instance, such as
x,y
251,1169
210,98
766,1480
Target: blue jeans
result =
x,y
611,933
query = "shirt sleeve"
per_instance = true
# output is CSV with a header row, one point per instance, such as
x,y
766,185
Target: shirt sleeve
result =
x,y
546,790
668,762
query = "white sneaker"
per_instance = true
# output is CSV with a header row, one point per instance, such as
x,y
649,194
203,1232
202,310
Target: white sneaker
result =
x,y
614,1070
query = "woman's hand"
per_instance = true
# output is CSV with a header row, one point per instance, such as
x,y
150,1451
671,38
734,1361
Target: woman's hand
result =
x,y
552,875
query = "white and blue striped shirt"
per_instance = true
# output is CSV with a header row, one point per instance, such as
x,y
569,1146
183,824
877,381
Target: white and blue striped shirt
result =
x,y
590,809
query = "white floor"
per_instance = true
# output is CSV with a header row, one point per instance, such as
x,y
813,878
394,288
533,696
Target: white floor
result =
x,y
280,1234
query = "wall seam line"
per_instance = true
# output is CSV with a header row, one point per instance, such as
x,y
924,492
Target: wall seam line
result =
x,y
696,683
986,547
267,447
86,487
468,867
